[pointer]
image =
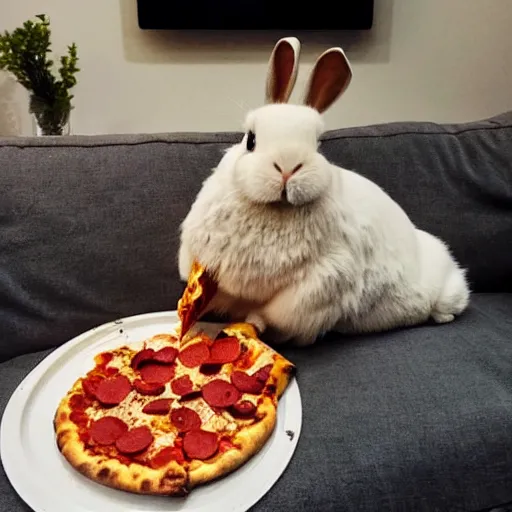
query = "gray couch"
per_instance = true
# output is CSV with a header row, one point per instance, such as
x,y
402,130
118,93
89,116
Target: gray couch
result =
x,y
413,420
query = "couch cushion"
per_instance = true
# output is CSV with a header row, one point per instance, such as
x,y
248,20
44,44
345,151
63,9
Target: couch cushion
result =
x,y
89,225
415,420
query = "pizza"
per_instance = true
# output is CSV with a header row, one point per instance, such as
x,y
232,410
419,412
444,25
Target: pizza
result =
x,y
166,415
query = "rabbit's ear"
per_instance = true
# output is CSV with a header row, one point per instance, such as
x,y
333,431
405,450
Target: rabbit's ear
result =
x,y
329,78
282,70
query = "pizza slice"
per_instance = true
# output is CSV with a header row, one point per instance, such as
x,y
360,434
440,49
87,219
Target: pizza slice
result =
x,y
200,290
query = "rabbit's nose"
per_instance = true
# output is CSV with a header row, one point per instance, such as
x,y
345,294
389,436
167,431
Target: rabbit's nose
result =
x,y
288,174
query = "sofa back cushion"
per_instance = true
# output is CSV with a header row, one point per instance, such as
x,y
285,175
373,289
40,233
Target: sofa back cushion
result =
x,y
89,231
89,225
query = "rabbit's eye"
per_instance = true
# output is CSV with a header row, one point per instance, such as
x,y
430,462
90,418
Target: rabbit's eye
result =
x,y
251,141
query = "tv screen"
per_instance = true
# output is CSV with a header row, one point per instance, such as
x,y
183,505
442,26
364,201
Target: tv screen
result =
x,y
255,15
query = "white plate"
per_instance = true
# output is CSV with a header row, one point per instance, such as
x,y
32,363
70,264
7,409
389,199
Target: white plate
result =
x,y
47,482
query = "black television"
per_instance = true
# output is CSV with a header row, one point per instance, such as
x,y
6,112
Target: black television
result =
x,y
255,14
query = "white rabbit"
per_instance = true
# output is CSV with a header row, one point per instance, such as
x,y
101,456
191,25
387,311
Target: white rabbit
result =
x,y
300,246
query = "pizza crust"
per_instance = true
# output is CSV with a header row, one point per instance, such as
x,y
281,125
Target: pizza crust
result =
x,y
170,480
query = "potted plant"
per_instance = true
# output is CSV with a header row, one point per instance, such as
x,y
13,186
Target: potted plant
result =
x,y
24,53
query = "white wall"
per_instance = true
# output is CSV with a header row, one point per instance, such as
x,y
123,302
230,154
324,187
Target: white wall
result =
x,y
438,60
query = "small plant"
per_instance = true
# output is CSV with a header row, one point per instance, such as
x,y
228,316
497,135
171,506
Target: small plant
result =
x,y
24,53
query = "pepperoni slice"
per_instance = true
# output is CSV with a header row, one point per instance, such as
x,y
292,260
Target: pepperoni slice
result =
x,y
79,418
160,406
111,370
90,385
135,440
154,373
195,355
107,430
166,355
145,388
113,390
104,358
166,455
210,368
185,419
182,385
247,383
143,356
263,373
200,444
243,409
79,402
225,350
220,393
191,396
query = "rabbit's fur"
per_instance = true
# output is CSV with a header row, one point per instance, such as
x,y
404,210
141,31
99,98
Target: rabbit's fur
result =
x,y
300,246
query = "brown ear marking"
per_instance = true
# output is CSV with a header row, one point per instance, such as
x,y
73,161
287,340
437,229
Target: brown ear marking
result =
x,y
282,70
330,77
